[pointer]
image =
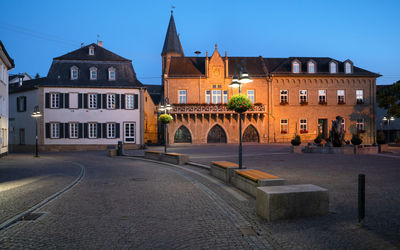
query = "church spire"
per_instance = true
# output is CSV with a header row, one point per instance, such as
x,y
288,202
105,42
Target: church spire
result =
x,y
172,45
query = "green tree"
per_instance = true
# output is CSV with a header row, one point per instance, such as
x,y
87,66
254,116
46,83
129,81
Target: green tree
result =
x,y
389,99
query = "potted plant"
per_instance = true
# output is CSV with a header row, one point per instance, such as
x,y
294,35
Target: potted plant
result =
x,y
318,139
295,144
283,103
165,118
302,103
380,139
322,102
356,139
303,131
239,104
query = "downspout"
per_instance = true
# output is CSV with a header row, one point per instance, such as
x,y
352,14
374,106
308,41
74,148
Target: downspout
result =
x,y
141,90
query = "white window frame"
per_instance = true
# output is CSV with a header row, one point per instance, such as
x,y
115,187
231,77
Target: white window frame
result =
x,y
284,123
251,95
54,130
129,102
360,96
92,130
54,100
343,124
347,68
225,97
74,70
303,126
208,96
296,67
303,97
182,96
91,51
111,74
341,93
92,101
311,65
93,73
111,130
360,124
73,130
333,70
322,96
129,135
284,97
110,101
216,96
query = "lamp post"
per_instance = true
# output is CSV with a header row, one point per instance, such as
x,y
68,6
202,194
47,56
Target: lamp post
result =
x,y
36,114
237,83
387,119
165,109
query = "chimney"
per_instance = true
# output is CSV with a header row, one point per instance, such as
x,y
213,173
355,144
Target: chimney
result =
x,y
20,79
206,64
100,43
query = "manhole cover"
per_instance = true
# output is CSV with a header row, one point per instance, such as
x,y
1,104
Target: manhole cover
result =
x,y
31,216
248,231
138,179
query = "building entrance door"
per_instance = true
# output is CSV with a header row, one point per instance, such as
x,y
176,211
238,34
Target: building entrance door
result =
x,y
182,135
216,135
251,134
323,127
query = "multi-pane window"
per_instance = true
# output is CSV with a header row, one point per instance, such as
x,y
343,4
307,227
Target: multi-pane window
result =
x,y
322,96
54,100
296,67
208,96
91,50
225,97
21,103
360,125
93,73
129,132
284,126
332,68
303,126
129,102
73,130
216,96
360,96
250,95
303,96
284,97
343,124
54,130
347,68
74,73
311,67
110,130
111,74
182,96
92,130
92,101
340,97
110,101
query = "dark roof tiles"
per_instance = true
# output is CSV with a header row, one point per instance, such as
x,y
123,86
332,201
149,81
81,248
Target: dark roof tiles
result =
x,y
100,54
172,43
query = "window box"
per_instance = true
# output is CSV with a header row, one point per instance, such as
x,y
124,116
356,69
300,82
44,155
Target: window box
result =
x,y
341,102
322,103
284,103
361,131
302,103
360,101
303,131
283,132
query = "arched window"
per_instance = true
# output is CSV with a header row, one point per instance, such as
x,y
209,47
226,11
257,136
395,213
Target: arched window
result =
x,y
74,73
93,73
295,67
91,51
311,67
348,67
182,135
333,67
111,74
216,135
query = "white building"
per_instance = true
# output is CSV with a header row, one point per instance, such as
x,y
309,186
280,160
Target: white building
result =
x,y
90,99
6,64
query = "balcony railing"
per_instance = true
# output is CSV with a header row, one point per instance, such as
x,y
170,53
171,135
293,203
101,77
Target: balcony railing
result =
x,y
210,108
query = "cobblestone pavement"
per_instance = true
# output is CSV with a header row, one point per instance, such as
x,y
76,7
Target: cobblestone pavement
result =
x,y
130,203
337,173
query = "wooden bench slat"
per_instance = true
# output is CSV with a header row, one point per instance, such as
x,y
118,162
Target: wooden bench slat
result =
x,y
225,164
255,175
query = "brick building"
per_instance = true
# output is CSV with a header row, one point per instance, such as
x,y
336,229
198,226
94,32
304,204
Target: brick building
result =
x,y
295,95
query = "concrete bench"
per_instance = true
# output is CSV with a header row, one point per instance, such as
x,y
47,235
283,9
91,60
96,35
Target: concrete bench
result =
x,y
154,155
175,158
291,201
249,179
223,170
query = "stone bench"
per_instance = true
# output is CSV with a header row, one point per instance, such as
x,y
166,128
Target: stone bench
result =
x,y
154,155
223,170
249,179
175,158
291,201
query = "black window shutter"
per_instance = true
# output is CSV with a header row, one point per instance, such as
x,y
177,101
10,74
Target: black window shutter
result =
x,y
61,100
117,101
18,103
80,101
24,98
80,130
117,135
122,101
47,130
136,101
62,130
85,130
66,126
104,130
99,101
85,101
104,101
66,102
47,100
99,130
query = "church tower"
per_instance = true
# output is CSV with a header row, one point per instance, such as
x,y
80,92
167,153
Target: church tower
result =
x,y
172,45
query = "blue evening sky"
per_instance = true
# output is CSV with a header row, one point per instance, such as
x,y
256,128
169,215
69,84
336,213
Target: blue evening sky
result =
x,y
366,32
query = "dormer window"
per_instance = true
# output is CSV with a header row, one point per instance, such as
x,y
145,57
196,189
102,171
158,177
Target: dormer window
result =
x,y
333,67
91,51
348,67
93,73
111,74
311,67
74,73
296,66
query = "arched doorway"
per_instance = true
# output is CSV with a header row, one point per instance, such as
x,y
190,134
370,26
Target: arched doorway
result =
x,y
216,135
182,135
251,134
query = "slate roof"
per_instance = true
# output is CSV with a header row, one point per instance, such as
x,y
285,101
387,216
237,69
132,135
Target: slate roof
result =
x,y
154,92
172,44
100,54
7,55
260,66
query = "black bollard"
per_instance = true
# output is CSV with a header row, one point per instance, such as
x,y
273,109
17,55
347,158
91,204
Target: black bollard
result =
x,y
361,197
119,148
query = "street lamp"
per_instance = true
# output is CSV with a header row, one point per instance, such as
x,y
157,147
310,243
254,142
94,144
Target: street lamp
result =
x,y
237,83
36,114
165,109
387,119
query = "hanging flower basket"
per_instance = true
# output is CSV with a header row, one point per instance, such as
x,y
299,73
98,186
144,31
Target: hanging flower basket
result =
x,y
239,104
165,118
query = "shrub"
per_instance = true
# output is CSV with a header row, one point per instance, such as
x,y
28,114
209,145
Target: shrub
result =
x,y
296,141
356,139
318,139
239,104
165,118
380,138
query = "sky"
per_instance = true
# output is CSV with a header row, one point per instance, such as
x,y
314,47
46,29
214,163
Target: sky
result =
x,y
366,32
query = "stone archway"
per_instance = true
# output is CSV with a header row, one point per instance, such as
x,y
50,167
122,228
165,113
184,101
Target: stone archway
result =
x,y
251,134
182,135
216,135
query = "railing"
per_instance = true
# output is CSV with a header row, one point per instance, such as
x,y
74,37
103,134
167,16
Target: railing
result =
x,y
210,108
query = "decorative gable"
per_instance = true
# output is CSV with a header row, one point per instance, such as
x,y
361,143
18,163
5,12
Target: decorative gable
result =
x,y
216,66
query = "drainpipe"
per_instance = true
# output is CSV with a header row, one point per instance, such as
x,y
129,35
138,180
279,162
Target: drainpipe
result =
x,y
141,90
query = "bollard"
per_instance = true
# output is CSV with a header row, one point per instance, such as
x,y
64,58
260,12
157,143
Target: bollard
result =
x,y
361,197
119,150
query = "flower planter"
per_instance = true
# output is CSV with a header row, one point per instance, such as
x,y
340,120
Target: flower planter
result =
x,y
165,118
